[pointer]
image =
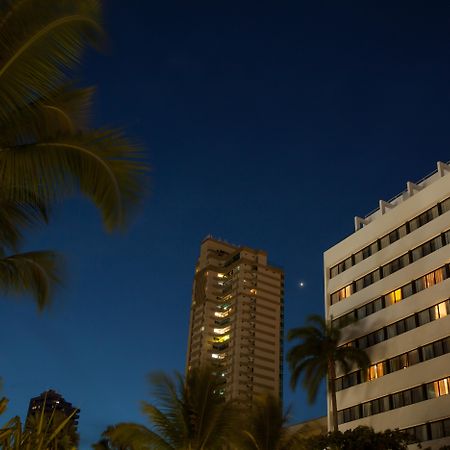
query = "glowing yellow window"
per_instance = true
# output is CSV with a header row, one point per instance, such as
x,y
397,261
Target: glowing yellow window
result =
x,y
376,371
394,296
429,280
345,292
439,275
442,309
443,387
221,330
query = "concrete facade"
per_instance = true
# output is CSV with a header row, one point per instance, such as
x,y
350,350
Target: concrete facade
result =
x,y
236,321
392,278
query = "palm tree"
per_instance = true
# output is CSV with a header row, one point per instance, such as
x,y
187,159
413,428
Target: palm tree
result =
x,y
189,415
316,356
46,146
47,149
267,429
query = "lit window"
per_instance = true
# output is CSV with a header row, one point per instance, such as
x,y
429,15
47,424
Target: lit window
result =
x,y
253,291
224,338
220,275
222,330
218,355
439,275
376,371
443,387
345,292
441,309
429,280
221,314
394,296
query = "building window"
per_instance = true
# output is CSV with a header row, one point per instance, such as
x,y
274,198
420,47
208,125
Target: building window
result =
x,y
390,238
394,297
375,371
397,400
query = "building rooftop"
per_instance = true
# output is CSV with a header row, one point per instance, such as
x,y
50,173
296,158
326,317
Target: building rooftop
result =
x,y
411,188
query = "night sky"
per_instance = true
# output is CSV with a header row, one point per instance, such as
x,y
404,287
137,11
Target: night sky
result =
x,y
267,124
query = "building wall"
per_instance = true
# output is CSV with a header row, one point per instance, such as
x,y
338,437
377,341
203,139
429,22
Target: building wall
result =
x,y
236,321
410,204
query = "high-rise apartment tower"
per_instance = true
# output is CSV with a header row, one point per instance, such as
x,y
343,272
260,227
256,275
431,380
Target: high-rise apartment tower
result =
x,y
392,278
236,321
55,410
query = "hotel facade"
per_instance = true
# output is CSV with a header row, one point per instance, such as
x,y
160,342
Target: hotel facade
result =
x,y
392,279
236,321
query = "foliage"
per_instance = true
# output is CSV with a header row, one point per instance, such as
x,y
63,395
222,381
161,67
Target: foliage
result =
x,y
47,149
105,442
316,355
188,414
360,438
266,427
40,432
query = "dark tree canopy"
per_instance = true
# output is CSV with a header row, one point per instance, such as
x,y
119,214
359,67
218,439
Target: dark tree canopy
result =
x,y
361,438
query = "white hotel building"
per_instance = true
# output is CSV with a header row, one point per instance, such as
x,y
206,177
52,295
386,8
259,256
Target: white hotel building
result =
x,y
392,277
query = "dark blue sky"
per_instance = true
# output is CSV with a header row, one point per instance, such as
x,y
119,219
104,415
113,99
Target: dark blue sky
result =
x,y
268,124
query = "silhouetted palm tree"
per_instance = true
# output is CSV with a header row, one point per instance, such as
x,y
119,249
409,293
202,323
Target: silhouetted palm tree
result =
x,y
266,427
316,356
189,414
47,149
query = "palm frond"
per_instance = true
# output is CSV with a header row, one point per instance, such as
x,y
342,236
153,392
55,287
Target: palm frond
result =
x,y
36,273
38,44
308,332
18,215
163,423
266,423
3,405
136,437
102,164
65,111
353,355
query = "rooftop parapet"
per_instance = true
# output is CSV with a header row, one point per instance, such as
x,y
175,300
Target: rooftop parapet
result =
x,y
411,188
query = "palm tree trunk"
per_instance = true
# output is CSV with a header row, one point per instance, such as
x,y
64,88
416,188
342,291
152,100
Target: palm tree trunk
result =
x,y
332,392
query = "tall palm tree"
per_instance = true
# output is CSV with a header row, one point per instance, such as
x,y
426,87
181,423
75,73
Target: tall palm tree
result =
x,y
47,149
266,427
189,414
316,355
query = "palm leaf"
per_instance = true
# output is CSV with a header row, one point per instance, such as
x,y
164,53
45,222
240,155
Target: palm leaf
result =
x,y
136,437
3,405
36,273
17,215
64,111
102,164
38,43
